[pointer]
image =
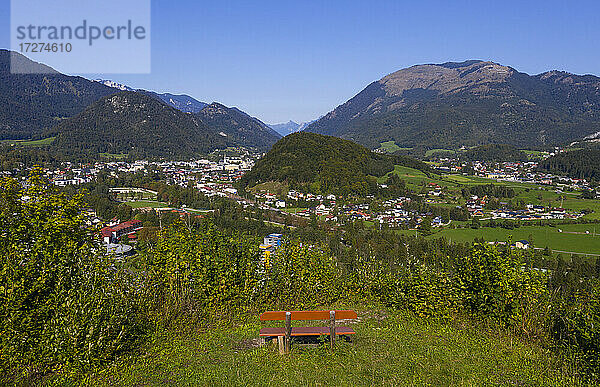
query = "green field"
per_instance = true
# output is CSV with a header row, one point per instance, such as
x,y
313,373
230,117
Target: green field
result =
x,y
146,203
389,348
136,195
529,193
293,210
446,152
391,147
31,143
410,175
542,236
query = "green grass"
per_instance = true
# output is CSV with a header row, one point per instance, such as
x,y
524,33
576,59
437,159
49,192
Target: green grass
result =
x,y
32,143
275,187
389,349
543,236
391,147
145,196
448,152
293,210
116,156
410,175
146,203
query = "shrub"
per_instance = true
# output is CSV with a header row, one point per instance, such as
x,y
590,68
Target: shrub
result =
x,y
575,328
497,284
61,301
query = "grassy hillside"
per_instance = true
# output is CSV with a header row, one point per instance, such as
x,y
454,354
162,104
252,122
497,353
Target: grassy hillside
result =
x,y
390,348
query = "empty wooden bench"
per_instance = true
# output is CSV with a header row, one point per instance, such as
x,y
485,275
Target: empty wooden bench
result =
x,y
285,334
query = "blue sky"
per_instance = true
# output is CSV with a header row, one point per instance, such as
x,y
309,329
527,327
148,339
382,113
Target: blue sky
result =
x,y
281,60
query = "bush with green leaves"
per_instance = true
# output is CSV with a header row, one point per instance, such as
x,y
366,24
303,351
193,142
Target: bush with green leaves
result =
x,y
204,272
200,272
575,327
301,275
498,284
61,301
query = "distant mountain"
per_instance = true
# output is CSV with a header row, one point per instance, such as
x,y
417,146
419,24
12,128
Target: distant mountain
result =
x,y
290,127
238,126
136,124
323,164
468,103
286,128
182,102
113,84
33,103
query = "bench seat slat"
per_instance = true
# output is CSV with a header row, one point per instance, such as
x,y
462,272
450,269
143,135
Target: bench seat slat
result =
x,y
308,315
306,331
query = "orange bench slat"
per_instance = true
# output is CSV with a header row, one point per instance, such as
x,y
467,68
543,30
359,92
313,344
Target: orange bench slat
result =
x,y
308,315
306,331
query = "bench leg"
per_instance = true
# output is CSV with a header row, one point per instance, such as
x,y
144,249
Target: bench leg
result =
x,y
288,332
332,328
281,342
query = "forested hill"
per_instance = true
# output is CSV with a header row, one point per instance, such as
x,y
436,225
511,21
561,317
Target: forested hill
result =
x,y
578,164
494,153
470,103
323,164
33,103
238,126
135,124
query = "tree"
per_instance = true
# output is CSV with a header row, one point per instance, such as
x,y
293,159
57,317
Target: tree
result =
x,y
425,226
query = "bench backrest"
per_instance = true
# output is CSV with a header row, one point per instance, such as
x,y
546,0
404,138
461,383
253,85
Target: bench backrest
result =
x,y
308,315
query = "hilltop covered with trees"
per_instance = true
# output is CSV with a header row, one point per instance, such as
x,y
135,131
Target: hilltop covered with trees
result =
x,y
494,153
578,164
324,164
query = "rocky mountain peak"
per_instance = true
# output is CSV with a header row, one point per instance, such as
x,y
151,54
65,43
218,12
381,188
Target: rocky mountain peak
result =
x,y
445,78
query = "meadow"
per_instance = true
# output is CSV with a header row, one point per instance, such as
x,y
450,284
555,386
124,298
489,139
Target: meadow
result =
x,y
147,203
572,238
30,143
390,348
529,193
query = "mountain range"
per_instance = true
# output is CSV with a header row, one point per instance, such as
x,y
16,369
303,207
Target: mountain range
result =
x,y
106,117
431,106
33,103
137,124
182,102
470,103
237,126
